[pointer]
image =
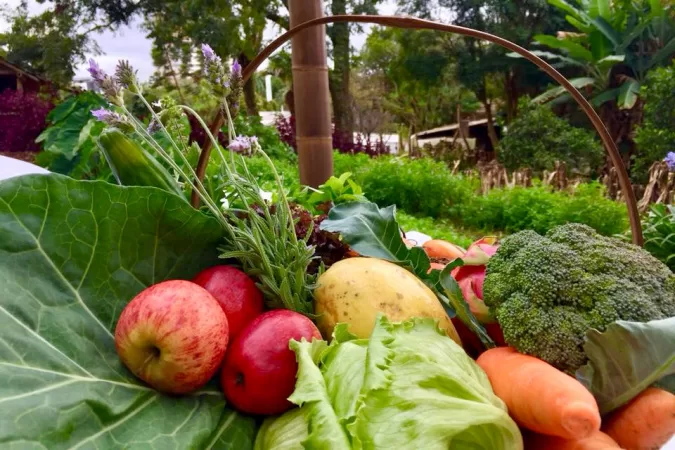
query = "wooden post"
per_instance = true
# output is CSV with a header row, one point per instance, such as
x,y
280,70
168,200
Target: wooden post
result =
x,y
312,97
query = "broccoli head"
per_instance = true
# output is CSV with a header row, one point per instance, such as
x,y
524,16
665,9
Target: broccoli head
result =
x,y
547,291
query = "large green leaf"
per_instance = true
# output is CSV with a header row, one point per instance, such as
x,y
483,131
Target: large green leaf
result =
x,y
374,232
628,93
626,359
559,90
605,96
572,48
662,54
568,8
72,254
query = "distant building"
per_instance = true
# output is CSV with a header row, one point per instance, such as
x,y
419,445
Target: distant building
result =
x,y
16,78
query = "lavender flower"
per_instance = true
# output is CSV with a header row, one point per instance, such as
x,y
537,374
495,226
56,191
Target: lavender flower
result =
x,y
126,76
102,114
670,160
240,144
154,127
209,54
108,117
95,71
236,69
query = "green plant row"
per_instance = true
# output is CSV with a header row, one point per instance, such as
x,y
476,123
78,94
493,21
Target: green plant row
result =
x,y
425,188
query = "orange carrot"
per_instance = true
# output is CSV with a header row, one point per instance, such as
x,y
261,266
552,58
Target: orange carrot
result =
x,y
437,248
539,396
646,423
595,441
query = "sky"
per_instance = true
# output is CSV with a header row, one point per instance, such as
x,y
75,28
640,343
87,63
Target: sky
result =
x,y
130,42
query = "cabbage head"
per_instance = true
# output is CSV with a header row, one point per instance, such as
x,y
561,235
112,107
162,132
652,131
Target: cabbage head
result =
x,y
408,386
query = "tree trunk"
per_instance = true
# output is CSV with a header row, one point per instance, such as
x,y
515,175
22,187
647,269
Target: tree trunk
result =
x,y
492,132
339,77
512,95
249,87
312,100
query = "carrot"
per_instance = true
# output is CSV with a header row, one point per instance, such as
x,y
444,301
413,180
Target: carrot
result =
x,y
646,423
539,396
437,248
595,441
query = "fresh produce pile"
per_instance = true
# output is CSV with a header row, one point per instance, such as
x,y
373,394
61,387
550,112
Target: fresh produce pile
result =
x,y
133,320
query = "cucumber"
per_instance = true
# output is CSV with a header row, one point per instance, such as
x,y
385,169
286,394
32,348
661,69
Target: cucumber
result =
x,y
132,165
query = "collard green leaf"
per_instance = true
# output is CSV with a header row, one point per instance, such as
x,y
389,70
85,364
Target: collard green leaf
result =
x,y
374,232
626,359
72,254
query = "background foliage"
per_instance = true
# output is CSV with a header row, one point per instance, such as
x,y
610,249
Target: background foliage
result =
x,y
538,138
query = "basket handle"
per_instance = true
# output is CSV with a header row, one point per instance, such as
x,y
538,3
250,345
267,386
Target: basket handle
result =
x,y
411,22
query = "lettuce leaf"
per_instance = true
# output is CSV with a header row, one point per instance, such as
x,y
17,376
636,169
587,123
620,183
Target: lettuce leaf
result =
x,y
72,254
626,359
408,386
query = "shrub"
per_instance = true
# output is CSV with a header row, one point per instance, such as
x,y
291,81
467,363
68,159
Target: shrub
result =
x,y
23,117
539,208
659,232
345,162
656,136
538,138
341,142
419,186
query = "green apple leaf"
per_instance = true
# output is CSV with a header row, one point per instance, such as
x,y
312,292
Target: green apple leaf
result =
x,y
72,254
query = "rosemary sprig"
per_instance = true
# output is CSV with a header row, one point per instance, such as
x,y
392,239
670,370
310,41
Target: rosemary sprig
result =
x,y
260,236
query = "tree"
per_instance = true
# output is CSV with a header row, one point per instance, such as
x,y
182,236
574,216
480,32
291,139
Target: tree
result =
x,y
339,34
50,44
484,67
415,72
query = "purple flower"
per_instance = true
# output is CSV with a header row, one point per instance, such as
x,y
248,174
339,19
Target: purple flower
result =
x,y
209,54
236,69
102,114
240,144
154,127
95,71
670,160
108,117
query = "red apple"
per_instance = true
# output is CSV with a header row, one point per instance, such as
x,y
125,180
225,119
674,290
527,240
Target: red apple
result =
x,y
237,294
173,336
259,371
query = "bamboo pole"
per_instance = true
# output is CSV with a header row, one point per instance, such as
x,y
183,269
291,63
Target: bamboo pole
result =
x,y
312,97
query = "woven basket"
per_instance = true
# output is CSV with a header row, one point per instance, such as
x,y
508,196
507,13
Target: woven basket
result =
x,y
410,22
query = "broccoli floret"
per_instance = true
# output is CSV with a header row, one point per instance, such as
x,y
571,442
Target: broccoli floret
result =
x,y
547,291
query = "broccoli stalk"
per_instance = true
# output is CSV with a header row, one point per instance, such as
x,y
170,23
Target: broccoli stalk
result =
x,y
547,291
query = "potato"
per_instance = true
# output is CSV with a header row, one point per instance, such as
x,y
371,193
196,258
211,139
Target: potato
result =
x,y
355,290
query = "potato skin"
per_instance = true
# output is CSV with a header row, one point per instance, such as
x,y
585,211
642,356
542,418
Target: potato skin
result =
x,y
355,290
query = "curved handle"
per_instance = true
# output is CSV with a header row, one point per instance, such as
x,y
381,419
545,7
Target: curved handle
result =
x,y
411,22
